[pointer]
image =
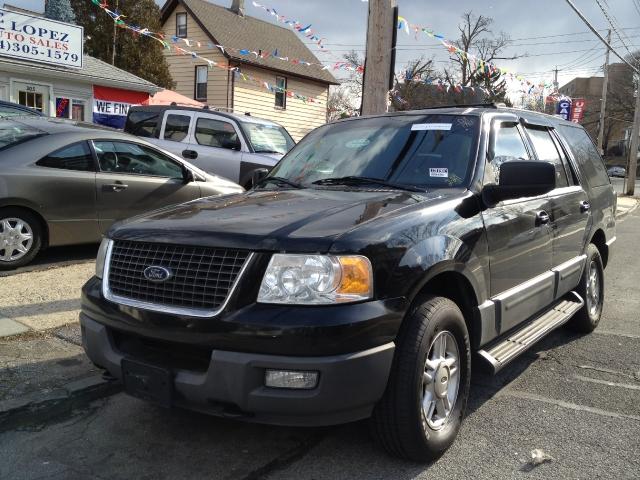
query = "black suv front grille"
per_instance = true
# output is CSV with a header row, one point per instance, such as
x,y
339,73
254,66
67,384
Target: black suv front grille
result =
x,y
201,277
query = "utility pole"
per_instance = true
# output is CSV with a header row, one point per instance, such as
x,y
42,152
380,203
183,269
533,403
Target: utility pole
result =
x,y
633,154
556,85
115,33
635,131
380,56
603,100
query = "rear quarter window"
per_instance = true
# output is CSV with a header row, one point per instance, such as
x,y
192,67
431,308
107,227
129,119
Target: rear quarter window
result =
x,y
143,124
586,155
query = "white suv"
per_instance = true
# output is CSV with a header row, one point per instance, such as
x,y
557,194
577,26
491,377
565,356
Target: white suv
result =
x,y
228,145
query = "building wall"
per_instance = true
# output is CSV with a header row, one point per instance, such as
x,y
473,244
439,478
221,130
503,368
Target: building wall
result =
x,y
80,92
183,67
298,117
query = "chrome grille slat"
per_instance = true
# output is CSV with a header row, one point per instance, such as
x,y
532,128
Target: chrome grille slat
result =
x,y
202,277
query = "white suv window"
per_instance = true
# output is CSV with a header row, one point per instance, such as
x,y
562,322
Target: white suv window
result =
x,y
176,127
210,132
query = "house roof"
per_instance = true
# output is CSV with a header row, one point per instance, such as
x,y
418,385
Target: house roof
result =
x,y
93,70
227,28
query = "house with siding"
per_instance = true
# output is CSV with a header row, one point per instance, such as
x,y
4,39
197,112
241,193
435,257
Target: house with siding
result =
x,y
205,25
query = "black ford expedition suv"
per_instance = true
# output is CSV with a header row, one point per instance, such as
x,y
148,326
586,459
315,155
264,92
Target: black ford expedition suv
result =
x,y
359,277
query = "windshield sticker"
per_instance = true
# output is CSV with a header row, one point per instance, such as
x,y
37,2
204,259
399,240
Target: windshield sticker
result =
x,y
430,126
358,143
439,172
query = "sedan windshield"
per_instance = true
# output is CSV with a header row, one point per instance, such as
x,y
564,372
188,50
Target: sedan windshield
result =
x,y
268,138
425,151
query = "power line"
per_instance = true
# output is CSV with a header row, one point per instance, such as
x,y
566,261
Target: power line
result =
x,y
593,29
613,25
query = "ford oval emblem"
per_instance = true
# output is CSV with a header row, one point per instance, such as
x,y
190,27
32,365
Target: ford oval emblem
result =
x,y
157,274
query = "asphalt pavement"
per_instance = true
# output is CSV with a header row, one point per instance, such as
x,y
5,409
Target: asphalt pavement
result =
x,y
576,398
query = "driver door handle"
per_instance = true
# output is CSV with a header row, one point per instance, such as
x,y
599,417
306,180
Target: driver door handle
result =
x,y
116,187
542,218
585,206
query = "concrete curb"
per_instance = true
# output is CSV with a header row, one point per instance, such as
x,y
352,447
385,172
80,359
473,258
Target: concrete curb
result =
x,y
37,408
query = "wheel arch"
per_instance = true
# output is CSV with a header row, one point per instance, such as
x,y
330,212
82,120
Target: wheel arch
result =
x,y
451,281
600,241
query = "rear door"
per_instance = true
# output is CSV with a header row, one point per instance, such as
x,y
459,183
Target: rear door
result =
x,y
218,145
65,187
174,132
134,179
570,210
518,234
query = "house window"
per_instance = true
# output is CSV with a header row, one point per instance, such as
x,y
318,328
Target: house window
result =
x,y
281,92
201,82
181,25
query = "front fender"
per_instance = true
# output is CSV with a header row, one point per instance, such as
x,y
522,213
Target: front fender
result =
x,y
444,253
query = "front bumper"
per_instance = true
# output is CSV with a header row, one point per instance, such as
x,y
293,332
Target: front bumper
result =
x,y
232,383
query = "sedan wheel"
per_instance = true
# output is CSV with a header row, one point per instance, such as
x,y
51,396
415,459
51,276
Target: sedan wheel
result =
x,y
16,239
20,237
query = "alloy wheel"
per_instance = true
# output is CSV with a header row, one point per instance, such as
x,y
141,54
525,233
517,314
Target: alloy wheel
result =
x,y
594,290
16,239
440,380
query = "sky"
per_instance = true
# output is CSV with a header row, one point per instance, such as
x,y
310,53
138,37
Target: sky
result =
x,y
545,33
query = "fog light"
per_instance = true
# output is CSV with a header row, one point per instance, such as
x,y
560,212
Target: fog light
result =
x,y
290,379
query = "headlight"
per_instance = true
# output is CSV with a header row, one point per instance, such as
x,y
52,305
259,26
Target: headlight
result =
x,y
102,255
316,279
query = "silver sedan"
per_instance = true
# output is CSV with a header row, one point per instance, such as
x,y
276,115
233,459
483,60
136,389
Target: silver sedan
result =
x,y
65,183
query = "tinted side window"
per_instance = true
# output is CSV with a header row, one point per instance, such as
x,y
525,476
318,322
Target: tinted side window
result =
x,y
74,157
176,127
143,124
214,133
586,155
547,152
131,158
508,146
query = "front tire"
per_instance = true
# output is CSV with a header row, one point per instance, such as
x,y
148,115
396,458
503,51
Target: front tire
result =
x,y
423,406
591,289
20,237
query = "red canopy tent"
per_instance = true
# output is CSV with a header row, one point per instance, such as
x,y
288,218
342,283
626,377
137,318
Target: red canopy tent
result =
x,y
167,97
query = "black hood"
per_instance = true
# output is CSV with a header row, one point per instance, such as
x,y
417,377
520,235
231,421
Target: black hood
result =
x,y
306,220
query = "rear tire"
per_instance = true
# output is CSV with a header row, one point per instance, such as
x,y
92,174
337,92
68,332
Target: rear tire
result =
x,y
412,419
591,289
20,237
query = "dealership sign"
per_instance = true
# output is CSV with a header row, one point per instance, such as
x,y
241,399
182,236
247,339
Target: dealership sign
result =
x,y
564,109
111,105
577,110
40,39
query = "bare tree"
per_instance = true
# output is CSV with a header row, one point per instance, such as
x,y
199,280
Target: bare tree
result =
x,y
477,48
341,103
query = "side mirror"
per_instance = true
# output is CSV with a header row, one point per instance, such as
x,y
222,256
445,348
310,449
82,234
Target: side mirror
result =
x,y
188,176
521,178
257,175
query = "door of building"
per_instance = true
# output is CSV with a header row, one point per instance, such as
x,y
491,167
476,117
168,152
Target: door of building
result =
x,y
32,95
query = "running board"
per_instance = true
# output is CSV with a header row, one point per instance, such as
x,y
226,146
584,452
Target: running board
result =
x,y
502,351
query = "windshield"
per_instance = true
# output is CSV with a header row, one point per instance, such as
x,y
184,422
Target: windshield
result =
x,y
13,133
427,151
268,138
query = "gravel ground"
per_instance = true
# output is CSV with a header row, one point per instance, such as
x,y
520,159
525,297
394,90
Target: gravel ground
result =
x,y
44,299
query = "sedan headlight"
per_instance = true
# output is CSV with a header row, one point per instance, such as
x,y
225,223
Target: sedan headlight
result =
x,y
316,279
102,255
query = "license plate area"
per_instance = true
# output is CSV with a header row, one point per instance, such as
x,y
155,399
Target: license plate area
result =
x,y
147,382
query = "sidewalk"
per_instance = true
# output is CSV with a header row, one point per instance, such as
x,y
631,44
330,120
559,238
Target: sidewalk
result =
x,y
626,205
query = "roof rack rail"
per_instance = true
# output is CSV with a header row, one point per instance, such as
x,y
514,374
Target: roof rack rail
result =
x,y
485,105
